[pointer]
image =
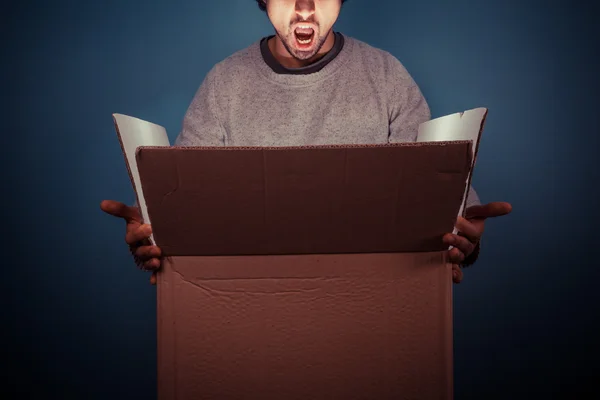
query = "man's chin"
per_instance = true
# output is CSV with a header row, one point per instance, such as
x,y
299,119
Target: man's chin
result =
x,y
305,53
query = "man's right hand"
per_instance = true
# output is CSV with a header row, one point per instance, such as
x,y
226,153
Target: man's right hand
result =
x,y
137,236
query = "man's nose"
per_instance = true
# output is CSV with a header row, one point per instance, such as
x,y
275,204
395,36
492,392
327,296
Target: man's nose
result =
x,y
305,8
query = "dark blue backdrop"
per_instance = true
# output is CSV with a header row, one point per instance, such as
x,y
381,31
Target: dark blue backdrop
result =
x,y
78,319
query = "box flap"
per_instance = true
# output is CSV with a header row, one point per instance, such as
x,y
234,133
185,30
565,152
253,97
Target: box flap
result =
x,y
303,200
467,125
133,133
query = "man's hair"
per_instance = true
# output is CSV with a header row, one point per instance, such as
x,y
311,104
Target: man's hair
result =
x,y
263,7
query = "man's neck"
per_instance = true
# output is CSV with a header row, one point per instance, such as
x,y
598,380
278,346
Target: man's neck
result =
x,y
285,58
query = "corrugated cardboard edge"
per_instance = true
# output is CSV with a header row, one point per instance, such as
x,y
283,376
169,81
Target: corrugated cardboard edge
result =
x,y
448,321
166,334
309,147
474,160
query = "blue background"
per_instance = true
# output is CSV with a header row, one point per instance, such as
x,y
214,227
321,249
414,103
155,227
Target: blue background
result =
x,y
79,320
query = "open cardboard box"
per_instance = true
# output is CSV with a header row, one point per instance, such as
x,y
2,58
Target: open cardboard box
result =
x,y
304,273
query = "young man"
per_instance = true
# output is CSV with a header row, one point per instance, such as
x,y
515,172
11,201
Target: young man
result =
x,y
307,85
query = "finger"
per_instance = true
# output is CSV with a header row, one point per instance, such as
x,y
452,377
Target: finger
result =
x,y
456,256
490,210
147,252
138,234
457,274
461,243
468,229
153,278
120,210
151,264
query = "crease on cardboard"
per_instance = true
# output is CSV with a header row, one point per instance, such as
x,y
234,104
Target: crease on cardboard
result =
x,y
346,180
265,189
394,220
177,183
213,291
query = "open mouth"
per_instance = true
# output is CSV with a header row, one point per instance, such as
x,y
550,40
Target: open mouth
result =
x,y
304,35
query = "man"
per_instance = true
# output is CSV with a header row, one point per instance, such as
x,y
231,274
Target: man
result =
x,y
307,84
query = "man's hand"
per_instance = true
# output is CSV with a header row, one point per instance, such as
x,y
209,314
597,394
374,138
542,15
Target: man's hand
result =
x,y
137,235
470,229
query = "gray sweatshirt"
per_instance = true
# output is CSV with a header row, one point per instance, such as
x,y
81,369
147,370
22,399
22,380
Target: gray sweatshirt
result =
x,y
358,94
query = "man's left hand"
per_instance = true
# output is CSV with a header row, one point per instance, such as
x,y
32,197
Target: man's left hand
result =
x,y
470,229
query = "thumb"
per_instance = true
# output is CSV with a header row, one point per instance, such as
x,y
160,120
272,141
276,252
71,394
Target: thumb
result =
x,y
153,278
490,210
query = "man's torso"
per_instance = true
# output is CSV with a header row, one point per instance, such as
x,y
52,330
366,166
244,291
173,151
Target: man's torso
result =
x,y
348,101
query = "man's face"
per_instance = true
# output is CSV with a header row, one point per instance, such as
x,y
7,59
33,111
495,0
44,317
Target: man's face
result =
x,y
303,26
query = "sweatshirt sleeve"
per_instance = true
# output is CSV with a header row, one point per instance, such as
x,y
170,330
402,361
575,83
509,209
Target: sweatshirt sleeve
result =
x,y
407,106
201,124
409,109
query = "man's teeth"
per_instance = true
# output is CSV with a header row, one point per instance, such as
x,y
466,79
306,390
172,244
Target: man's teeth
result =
x,y
304,31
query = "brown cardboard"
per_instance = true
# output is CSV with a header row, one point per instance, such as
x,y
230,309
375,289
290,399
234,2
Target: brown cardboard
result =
x,y
305,273
327,199
367,326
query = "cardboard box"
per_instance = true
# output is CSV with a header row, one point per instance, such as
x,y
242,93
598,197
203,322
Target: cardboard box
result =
x,y
302,273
